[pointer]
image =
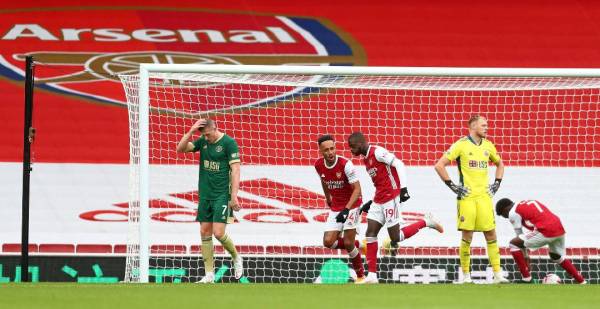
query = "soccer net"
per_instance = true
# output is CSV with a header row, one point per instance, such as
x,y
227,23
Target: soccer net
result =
x,y
547,130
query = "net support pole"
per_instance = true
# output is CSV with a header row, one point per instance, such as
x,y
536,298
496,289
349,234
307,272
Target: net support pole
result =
x,y
27,139
144,110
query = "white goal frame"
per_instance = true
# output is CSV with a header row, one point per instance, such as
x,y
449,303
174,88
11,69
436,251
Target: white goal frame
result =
x,y
144,107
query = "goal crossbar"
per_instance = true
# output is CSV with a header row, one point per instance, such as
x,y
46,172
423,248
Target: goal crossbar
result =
x,y
357,70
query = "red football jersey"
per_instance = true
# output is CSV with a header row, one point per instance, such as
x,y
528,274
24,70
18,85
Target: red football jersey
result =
x,y
533,215
385,177
338,179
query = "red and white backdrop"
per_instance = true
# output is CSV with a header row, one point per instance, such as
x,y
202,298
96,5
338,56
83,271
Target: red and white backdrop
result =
x,y
80,171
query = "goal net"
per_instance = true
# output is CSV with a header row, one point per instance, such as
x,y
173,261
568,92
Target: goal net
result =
x,y
545,124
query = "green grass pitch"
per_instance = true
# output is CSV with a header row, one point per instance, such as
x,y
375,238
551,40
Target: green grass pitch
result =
x,y
291,296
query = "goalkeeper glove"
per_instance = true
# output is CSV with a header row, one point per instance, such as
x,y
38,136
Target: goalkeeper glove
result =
x,y
461,191
365,207
493,188
404,195
342,216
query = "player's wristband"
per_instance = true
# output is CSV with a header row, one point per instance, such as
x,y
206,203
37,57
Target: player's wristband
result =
x,y
498,180
449,183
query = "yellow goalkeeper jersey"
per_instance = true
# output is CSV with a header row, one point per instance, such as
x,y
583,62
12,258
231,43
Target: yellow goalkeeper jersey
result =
x,y
472,161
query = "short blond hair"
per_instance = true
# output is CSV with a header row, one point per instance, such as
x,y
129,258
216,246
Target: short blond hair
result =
x,y
474,118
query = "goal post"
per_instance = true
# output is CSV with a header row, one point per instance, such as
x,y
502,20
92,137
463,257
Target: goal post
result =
x,y
545,119
144,161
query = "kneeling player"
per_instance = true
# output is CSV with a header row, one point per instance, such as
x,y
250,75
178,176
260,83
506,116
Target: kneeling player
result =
x,y
544,228
342,192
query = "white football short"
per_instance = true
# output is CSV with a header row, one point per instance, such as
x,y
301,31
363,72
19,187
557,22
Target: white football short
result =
x,y
351,223
535,240
387,214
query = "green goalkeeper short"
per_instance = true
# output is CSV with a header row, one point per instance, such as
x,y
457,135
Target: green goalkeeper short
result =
x,y
216,210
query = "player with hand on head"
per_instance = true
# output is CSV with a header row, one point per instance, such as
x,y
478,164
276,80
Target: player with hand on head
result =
x,y
218,187
544,229
343,195
388,174
474,196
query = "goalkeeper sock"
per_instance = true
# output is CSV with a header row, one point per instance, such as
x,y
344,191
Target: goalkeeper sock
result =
x,y
570,268
372,254
494,255
207,254
465,256
520,261
408,231
357,262
229,246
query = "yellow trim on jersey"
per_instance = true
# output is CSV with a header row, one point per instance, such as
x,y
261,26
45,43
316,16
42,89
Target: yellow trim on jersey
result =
x,y
235,161
473,161
218,139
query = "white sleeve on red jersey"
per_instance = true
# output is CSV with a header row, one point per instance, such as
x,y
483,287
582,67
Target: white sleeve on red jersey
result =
x,y
384,156
350,172
401,168
515,219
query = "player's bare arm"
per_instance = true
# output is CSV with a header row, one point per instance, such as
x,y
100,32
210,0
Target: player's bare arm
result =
x,y
517,241
499,169
356,192
235,186
440,168
493,188
184,144
327,193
